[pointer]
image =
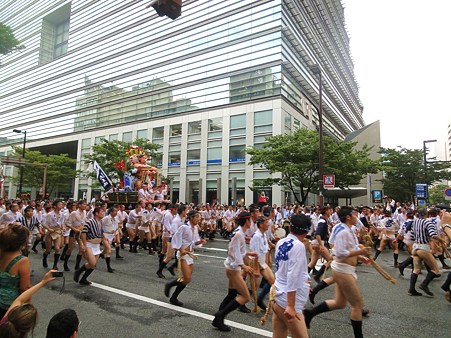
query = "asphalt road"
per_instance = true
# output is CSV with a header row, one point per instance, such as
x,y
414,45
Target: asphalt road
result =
x,y
130,302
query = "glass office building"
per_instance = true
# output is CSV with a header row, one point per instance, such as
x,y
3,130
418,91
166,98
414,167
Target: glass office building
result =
x,y
220,78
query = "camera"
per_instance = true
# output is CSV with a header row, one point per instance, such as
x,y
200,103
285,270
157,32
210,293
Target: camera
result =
x,y
57,274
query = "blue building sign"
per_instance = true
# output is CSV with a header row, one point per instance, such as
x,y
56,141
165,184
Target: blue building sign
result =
x,y
421,191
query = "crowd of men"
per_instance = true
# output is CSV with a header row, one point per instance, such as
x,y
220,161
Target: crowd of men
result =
x,y
295,237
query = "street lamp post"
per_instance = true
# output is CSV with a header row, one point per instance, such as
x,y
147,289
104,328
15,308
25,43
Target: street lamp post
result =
x,y
317,71
24,132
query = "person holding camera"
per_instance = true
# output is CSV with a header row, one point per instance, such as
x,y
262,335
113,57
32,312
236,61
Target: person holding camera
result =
x,y
21,316
14,267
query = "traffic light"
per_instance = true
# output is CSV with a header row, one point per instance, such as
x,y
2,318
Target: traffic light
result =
x,y
170,8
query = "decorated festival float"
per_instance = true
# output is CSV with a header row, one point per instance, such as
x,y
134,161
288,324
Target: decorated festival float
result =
x,y
135,171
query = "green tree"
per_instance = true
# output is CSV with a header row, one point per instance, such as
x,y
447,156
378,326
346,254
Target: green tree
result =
x,y
108,153
60,170
437,195
404,168
8,43
296,158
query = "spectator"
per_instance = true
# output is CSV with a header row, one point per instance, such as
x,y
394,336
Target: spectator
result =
x,y
14,267
63,325
21,316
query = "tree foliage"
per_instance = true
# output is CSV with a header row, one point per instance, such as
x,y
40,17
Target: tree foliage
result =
x,y
437,194
8,43
296,158
404,168
60,170
108,153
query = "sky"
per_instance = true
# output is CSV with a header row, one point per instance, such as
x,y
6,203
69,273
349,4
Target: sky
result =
x,y
402,56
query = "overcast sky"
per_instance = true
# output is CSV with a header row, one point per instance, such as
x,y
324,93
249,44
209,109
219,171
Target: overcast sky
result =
x,y
402,56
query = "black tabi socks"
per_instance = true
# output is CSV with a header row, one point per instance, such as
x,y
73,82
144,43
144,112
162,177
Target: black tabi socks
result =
x,y
357,327
56,258
310,313
77,262
413,281
378,252
321,285
230,296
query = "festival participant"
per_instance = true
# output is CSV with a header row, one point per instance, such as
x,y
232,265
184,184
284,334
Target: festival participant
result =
x,y
176,223
388,228
110,232
404,234
144,194
66,234
54,233
183,241
168,216
347,252
318,247
259,244
423,233
228,221
156,217
133,222
10,216
236,262
75,222
433,216
122,218
158,195
92,237
145,232
445,223
32,224
292,280
38,232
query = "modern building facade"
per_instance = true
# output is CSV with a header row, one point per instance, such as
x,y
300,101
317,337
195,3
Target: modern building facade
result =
x,y
220,78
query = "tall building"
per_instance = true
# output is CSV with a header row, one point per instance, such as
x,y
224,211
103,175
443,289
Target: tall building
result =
x,y
220,78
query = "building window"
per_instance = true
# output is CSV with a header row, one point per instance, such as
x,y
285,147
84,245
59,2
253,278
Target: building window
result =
x,y
296,125
61,38
238,125
287,123
237,153
141,134
86,143
98,139
158,133
174,160
194,127
54,34
214,155
263,121
127,137
113,137
193,157
176,130
215,124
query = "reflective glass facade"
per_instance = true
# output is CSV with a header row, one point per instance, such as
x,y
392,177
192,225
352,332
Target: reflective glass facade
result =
x,y
91,68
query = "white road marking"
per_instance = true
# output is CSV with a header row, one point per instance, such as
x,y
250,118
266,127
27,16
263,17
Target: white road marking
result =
x,y
217,257
212,249
208,317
